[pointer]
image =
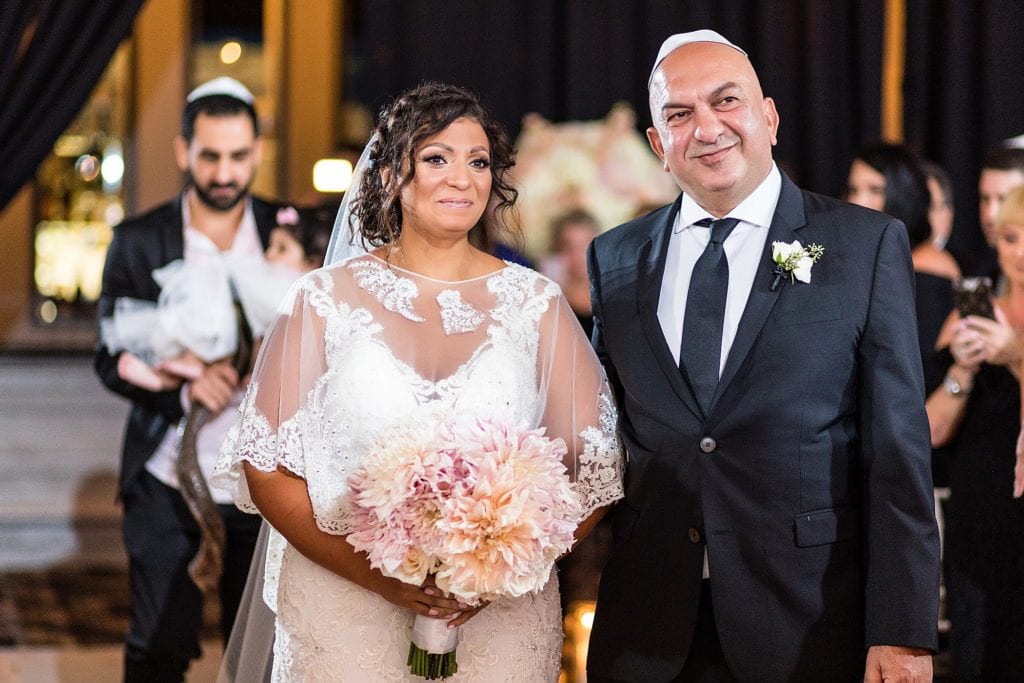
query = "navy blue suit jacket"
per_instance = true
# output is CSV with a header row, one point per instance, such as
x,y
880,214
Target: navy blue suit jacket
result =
x,y
815,500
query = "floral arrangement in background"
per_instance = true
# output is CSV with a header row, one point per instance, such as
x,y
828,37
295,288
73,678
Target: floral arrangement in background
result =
x,y
484,507
604,167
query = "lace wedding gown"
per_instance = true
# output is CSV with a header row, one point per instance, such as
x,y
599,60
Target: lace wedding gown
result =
x,y
367,346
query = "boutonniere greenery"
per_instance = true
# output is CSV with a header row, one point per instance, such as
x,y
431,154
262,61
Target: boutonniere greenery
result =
x,y
794,260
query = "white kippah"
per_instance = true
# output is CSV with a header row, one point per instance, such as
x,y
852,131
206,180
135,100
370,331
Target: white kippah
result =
x,y
224,85
1014,143
679,39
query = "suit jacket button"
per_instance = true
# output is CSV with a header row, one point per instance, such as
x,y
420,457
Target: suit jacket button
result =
x,y
708,445
694,535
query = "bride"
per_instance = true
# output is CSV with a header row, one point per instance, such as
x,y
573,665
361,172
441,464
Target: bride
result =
x,y
423,320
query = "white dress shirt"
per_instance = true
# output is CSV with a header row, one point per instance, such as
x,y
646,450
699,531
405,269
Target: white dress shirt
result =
x,y
163,463
744,250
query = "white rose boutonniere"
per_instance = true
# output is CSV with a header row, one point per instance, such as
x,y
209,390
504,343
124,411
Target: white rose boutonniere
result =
x,y
794,260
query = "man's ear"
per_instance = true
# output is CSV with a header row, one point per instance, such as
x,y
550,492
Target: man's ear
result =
x,y
654,140
771,117
181,153
257,152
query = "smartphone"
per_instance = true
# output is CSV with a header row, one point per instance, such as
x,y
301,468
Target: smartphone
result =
x,y
973,296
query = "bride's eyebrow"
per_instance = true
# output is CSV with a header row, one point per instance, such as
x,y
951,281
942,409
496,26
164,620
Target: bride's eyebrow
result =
x,y
449,148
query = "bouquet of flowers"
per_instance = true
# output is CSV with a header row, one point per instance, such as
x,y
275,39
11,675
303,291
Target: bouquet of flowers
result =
x,y
484,506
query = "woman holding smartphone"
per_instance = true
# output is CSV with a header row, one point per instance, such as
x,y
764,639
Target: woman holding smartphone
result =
x,y
977,412
891,178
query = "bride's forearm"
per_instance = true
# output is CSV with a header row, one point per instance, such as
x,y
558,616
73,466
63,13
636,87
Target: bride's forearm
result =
x,y
588,524
283,500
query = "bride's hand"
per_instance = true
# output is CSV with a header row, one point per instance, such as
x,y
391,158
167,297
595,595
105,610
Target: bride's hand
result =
x,y
466,615
465,612
426,600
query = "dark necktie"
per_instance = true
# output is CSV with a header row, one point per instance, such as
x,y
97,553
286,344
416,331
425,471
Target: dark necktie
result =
x,y
700,352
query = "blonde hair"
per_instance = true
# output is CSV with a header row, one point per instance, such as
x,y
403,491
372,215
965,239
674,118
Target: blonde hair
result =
x,y
1012,210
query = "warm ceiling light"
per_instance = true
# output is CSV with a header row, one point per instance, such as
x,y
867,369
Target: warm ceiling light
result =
x,y
230,52
332,175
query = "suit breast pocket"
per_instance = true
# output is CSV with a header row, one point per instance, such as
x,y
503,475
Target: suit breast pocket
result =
x,y
806,307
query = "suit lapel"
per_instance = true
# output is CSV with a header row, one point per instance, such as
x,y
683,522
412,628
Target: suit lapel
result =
x,y
651,257
172,231
789,217
266,219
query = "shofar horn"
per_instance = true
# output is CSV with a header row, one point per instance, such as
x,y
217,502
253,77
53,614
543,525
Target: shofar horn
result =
x,y
208,564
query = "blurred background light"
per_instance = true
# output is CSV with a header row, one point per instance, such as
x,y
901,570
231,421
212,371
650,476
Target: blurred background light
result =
x,y
112,167
332,175
231,52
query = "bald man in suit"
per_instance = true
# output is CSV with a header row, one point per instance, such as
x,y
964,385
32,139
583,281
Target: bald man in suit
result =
x,y
778,521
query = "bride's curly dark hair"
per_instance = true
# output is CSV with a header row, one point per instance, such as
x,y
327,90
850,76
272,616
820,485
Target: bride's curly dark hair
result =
x,y
401,129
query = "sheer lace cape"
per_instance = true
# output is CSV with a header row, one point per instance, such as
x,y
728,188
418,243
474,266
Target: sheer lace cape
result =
x,y
365,346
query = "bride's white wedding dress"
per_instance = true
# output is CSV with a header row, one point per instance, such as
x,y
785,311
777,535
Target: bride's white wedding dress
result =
x,y
365,347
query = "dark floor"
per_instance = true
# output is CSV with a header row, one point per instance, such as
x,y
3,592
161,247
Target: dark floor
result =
x,y
63,607
69,606
81,605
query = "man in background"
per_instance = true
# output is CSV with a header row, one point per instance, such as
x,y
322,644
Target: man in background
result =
x,y
219,151
1001,171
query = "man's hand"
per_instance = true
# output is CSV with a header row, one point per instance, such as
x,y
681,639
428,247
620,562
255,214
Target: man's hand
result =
x,y
215,386
894,664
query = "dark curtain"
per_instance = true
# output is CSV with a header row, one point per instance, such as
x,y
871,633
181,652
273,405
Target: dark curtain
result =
x,y
52,53
820,60
963,96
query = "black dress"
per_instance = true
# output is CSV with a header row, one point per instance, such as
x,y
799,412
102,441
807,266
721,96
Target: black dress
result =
x,y
586,322
985,533
933,301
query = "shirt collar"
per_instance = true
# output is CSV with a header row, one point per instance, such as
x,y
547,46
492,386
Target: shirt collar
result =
x,y
757,209
243,237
